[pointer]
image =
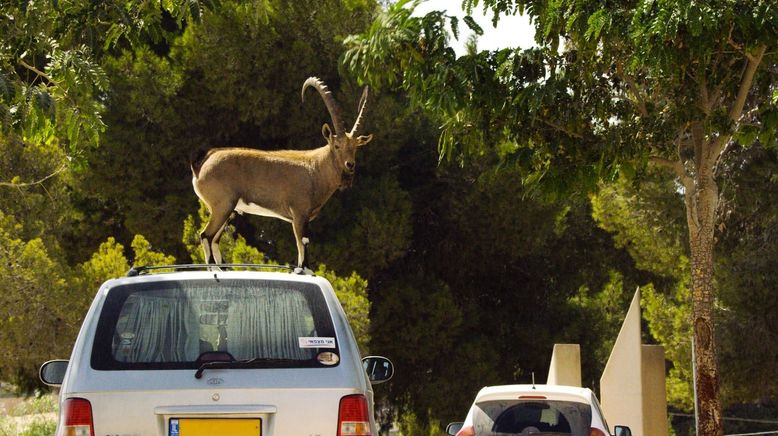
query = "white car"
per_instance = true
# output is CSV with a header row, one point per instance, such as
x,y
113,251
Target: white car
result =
x,y
539,410
203,352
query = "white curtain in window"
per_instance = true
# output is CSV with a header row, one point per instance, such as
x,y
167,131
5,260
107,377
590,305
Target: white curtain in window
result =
x,y
158,329
265,322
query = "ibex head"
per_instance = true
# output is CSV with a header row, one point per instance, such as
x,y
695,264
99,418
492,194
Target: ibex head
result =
x,y
343,144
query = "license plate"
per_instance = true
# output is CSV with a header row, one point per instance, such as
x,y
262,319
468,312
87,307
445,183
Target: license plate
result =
x,y
214,427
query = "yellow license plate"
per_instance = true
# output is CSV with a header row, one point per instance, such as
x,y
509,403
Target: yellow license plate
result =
x,y
215,427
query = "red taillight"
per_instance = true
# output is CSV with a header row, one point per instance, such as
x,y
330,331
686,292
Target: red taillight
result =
x,y
466,431
596,432
353,416
78,417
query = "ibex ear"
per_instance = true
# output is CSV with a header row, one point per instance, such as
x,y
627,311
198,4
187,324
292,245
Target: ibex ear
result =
x,y
326,132
362,140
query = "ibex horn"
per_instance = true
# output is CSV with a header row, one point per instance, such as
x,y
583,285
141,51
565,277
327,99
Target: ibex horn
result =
x,y
362,104
326,95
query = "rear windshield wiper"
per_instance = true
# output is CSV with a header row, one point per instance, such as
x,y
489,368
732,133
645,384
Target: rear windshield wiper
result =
x,y
256,362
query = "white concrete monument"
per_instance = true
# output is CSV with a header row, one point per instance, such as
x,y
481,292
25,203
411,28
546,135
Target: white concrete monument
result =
x,y
565,368
632,386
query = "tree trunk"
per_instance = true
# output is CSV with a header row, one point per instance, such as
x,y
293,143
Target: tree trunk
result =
x,y
701,204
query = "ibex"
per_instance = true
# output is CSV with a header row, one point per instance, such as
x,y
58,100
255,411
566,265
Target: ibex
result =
x,y
292,185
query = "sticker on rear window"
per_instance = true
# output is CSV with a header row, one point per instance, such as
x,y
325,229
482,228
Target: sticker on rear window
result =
x,y
308,342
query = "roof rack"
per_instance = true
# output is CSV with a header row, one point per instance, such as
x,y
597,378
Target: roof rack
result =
x,y
138,270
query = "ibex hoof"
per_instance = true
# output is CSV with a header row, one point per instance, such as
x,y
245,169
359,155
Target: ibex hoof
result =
x,y
306,241
303,271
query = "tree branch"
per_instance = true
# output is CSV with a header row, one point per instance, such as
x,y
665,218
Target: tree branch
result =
x,y
677,167
560,128
62,168
745,84
641,102
736,111
702,84
37,71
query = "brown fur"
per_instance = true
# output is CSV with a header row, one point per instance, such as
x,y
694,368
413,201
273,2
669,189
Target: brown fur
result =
x,y
292,185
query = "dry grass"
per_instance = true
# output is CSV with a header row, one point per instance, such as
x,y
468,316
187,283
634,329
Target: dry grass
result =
x,y
33,416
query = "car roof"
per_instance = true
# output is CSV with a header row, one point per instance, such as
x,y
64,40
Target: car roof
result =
x,y
203,275
550,392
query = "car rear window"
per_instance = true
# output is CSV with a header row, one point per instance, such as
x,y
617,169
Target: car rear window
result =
x,y
536,417
174,324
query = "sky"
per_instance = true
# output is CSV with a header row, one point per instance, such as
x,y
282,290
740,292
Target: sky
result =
x,y
511,31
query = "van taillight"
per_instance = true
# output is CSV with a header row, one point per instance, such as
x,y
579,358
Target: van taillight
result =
x,y
78,417
596,432
353,416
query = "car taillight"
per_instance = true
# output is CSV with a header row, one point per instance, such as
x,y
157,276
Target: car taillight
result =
x,y
596,432
78,417
466,431
353,416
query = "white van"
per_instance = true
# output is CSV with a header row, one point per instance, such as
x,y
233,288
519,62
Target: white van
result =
x,y
199,352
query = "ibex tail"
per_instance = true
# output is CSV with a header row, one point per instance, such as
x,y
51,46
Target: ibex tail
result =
x,y
196,160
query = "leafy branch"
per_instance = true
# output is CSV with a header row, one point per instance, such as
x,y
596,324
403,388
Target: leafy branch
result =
x,y
13,184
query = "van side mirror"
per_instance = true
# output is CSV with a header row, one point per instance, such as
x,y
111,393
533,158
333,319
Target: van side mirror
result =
x,y
379,369
53,372
622,430
453,428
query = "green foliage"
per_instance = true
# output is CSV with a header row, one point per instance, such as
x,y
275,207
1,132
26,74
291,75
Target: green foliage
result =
x,y
40,427
410,425
51,85
234,248
108,262
670,324
352,294
37,404
144,255
620,89
37,426
601,311
34,305
412,314
747,274
648,223
375,219
33,188
607,90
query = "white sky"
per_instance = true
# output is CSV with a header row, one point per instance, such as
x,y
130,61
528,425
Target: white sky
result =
x,y
511,31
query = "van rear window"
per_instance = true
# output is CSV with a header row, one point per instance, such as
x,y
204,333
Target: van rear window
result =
x,y
175,324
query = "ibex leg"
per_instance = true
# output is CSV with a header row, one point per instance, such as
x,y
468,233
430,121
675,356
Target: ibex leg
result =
x,y
300,227
209,237
217,252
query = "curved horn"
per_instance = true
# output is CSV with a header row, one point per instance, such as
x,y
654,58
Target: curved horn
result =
x,y
329,101
362,104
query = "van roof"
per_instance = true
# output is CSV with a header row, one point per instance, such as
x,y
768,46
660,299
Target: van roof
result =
x,y
146,269
200,272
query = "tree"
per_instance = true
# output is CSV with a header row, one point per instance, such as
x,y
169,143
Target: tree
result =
x,y
608,90
747,270
31,326
646,220
51,83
